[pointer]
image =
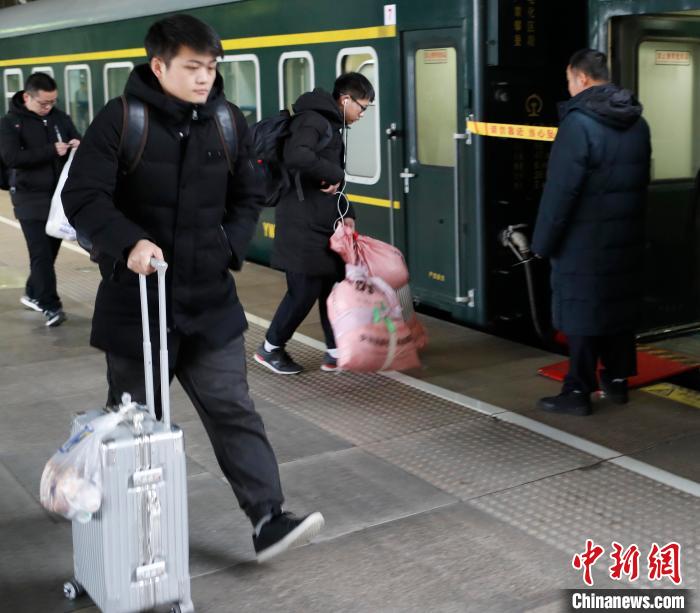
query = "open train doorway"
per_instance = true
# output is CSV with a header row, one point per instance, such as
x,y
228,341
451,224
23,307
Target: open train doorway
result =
x,y
658,57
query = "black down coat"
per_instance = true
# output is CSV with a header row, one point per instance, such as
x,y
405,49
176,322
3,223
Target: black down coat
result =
x,y
182,197
30,151
302,229
592,213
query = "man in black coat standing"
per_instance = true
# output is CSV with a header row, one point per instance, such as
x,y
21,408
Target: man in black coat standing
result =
x,y
193,202
306,216
591,225
35,138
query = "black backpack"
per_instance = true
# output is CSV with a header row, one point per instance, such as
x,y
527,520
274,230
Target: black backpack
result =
x,y
135,133
7,175
268,136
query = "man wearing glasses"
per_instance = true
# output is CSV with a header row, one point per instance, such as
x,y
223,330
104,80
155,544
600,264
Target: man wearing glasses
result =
x,y
35,138
306,216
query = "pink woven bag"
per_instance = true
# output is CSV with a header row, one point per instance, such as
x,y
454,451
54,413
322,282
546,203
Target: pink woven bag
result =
x,y
369,329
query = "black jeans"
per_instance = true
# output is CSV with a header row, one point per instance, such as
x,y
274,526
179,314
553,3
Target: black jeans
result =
x,y
43,249
617,354
215,381
302,292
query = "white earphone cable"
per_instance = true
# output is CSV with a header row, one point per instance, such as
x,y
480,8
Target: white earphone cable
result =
x,y
341,192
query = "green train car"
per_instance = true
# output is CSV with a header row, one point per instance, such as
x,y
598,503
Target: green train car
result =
x,y
454,149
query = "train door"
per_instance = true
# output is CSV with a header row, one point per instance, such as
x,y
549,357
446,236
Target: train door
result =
x,y
434,62
658,57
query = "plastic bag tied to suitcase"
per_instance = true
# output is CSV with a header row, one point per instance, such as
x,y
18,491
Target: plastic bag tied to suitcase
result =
x,y
71,484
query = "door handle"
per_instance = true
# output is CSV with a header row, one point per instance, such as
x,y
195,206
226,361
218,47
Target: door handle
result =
x,y
406,175
460,298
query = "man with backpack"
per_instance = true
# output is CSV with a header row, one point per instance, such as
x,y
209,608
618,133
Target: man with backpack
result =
x,y
35,138
191,196
314,155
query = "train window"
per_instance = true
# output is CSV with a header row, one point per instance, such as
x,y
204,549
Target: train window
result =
x,y
436,105
296,76
363,157
79,95
667,73
241,75
45,69
13,82
116,75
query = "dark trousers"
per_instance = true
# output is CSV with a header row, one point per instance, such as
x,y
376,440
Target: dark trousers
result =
x,y
43,249
215,381
302,292
616,353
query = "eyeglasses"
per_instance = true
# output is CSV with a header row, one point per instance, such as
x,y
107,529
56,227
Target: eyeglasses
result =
x,y
363,107
45,104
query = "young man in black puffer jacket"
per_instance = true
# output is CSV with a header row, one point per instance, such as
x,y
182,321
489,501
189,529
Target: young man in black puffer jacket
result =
x,y
591,226
182,203
35,138
315,152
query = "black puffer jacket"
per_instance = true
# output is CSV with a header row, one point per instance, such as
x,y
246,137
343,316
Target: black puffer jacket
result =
x,y
591,216
303,229
27,146
182,197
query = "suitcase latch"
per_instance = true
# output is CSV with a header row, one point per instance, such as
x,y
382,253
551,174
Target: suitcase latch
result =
x,y
149,476
150,571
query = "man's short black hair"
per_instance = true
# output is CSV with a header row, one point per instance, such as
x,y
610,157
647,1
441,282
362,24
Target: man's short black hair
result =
x,y
39,81
353,84
166,36
592,63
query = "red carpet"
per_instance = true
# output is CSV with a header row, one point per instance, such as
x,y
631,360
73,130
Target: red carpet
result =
x,y
652,365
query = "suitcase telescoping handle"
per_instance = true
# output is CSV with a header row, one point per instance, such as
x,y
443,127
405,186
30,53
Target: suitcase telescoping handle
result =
x,y
160,267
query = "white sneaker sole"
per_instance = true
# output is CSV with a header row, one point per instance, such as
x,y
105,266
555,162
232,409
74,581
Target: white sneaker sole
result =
x,y
31,305
259,360
54,322
301,535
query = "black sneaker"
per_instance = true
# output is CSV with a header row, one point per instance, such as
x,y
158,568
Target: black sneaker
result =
x,y
54,318
284,531
615,391
569,403
30,303
277,360
330,364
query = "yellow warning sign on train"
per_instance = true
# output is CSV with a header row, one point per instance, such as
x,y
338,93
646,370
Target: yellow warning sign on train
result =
x,y
507,130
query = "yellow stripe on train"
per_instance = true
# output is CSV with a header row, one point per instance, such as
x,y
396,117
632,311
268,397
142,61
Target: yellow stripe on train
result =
x,y
507,130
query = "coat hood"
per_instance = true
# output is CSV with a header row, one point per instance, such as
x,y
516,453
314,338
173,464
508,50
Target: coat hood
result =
x,y
608,104
144,85
17,106
322,102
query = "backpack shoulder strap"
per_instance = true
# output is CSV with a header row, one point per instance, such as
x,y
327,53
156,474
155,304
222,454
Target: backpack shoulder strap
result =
x,y
228,133
134,133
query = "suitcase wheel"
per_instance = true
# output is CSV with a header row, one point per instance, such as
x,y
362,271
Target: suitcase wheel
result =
x,y
72,589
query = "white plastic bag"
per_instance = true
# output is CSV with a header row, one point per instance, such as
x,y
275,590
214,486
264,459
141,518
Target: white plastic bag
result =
x,y
71,484
57,224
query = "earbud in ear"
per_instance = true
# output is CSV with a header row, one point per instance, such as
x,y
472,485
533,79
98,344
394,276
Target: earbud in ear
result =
x,y
345,102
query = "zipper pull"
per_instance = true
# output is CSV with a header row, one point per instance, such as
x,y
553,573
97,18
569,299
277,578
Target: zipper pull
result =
x,y
195,115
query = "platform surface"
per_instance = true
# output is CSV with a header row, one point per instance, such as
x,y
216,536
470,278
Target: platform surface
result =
x,y
443,490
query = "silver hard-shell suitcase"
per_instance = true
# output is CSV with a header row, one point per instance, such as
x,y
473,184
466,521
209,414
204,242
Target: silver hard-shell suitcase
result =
x,y
133,554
